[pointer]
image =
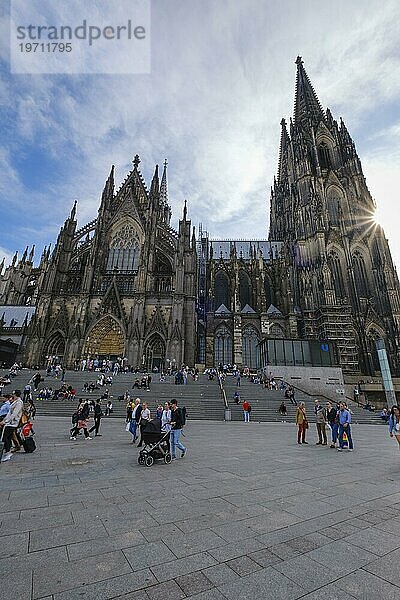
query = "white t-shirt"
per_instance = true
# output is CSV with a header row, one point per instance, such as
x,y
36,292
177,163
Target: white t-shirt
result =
x,y
166,420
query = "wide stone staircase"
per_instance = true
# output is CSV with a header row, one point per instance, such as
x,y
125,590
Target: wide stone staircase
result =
x,y
265,403
202,398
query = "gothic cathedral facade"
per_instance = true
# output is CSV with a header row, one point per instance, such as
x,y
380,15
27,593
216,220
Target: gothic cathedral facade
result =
x,y
127,284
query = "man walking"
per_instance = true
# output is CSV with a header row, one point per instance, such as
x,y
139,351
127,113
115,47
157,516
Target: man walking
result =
x,y
320,418
246,411
11,422
344,427
176,428
136,411
98,413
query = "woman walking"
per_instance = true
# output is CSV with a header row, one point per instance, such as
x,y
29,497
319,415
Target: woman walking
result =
x,y
83,417
394,423
333,420
302,423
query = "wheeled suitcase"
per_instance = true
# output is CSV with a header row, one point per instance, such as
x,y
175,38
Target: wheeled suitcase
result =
x,y
1,449
29,444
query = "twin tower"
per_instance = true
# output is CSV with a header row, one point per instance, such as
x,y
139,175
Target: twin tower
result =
x,y
128,285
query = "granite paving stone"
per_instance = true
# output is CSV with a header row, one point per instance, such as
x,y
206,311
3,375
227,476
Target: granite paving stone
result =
x,y
248,515
374,540
184,544
267,584
46,579
220,574
183,566
103,544
110,588
169,590
386,567
365,586
148,554
341,557
194,583
244,565
307,573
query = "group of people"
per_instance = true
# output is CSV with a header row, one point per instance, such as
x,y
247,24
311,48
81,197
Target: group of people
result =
x,y
16,423
80,419
337,417
171,417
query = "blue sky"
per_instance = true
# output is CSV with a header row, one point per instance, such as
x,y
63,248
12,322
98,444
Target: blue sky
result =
x,y
222,78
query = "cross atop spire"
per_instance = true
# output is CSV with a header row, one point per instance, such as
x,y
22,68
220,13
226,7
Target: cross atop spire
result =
x,y
136,161
283,148
164,185
306,103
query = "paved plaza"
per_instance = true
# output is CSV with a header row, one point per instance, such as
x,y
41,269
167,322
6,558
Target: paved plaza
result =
x,y
247,514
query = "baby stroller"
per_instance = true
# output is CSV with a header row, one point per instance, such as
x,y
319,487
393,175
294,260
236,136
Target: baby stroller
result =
x,y
156,444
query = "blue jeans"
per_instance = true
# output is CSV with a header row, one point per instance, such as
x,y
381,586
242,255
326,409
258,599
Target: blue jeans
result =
x,y
246,416
174,438
334,429
342,430
132,429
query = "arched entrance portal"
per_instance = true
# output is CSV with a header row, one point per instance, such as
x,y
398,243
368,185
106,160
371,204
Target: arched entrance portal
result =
x,y
155,353
105,339
55,346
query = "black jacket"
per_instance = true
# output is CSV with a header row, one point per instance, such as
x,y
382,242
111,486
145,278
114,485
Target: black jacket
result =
x,y
176,417
138,413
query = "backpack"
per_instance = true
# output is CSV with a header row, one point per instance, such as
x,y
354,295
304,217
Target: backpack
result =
x,y
29,445
183,415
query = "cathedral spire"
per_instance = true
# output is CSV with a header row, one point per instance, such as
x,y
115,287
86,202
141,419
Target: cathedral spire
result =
x,y
31,254
25,254
155,183
164,186
306,103
2,265
283,149
73,211
185,210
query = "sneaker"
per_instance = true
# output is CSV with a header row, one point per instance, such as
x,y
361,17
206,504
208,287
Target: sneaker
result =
x,y
304,442
6,456
88,438
332,446
350,449
183,453
318,444
72,437
173,458
98,435
340,449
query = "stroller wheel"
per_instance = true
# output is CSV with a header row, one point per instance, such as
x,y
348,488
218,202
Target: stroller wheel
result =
x,y
141,460
149,461
167,458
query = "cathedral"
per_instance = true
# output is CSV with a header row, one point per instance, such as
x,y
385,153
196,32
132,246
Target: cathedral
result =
x,y
128,285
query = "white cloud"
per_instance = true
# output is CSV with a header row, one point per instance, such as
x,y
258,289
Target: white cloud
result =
x,y
222,77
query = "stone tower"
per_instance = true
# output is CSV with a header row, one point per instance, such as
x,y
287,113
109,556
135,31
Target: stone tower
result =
x,y
345,286
123,285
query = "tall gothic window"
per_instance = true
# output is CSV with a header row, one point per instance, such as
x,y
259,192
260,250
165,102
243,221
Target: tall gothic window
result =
x,y
360,276
337,275
333,210
249,348
223,346
324,157
221,291
162,274
245,290
123,254
269,299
